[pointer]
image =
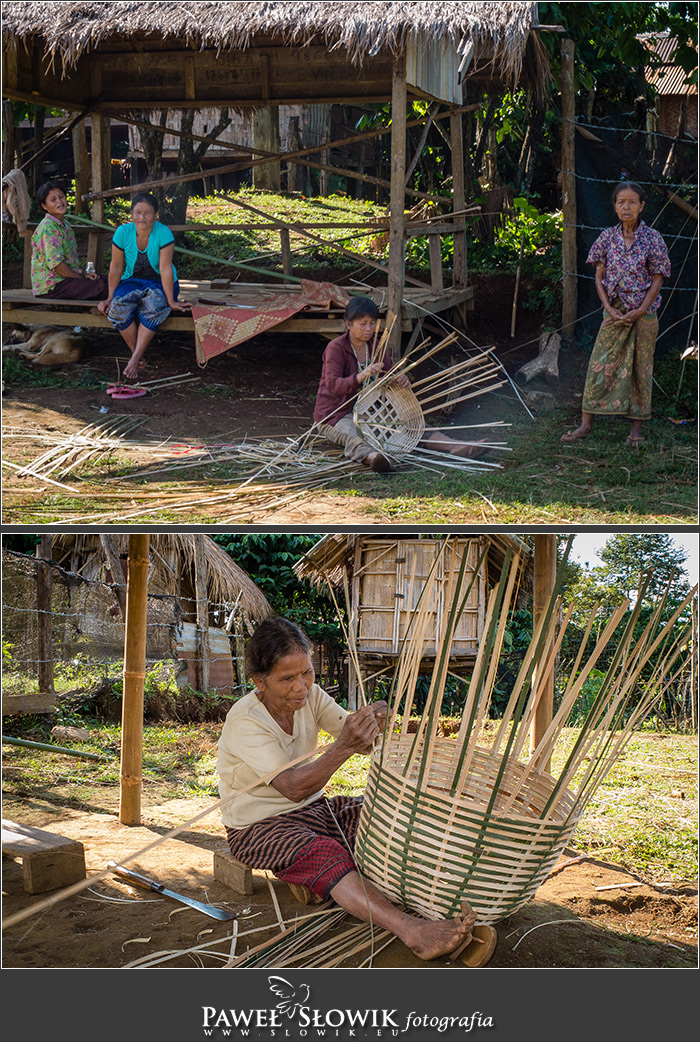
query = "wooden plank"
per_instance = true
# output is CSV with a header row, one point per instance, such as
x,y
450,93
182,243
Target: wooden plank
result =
x,y
49,861
38,704
232,872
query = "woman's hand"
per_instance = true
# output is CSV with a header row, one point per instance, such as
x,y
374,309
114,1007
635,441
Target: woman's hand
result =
x,y
630,317
402,381
179,305
372,370
614,313
104,305
361,728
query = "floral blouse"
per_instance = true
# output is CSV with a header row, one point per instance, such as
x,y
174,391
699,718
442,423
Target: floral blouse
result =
x,y
52,242
629,270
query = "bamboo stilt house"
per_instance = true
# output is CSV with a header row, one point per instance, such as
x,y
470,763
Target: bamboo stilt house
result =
x,y
481,819
120,57
384,578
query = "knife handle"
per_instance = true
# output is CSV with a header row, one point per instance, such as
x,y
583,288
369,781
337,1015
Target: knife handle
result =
x,y
135,877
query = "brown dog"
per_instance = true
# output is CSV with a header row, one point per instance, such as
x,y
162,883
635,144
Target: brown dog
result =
x,y
47,345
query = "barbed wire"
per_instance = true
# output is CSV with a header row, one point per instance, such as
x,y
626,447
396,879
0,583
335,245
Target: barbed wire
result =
x,y
630,130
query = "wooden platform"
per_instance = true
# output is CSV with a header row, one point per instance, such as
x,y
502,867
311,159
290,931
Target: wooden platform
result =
x,y
49,861
20,306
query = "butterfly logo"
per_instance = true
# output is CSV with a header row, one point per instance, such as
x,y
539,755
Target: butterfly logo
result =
x,y
292,999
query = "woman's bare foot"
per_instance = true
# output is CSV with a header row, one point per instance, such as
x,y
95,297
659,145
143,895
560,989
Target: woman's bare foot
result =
x,y
578,435
429,940
378,462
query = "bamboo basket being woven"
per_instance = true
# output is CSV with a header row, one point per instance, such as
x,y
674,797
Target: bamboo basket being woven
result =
x,y
389,418
479,816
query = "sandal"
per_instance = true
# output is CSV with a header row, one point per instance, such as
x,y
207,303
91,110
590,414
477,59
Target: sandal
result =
x,y
635,442
124,391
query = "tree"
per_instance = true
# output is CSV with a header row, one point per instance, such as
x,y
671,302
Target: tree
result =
x,y
627,557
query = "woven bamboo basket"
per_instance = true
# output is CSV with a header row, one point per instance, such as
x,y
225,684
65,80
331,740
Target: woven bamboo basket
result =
x,y
389,418
430,850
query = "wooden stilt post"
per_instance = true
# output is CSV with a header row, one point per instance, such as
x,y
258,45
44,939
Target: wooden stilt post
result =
x,y
200,586
568,174
545,574
99,147
459,200
44,655
134,673
397,257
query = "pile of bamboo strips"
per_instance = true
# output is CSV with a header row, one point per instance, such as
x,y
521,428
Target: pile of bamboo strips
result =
x,y
447,819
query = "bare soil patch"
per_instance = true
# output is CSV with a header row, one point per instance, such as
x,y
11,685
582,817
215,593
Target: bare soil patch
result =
x,y
570,923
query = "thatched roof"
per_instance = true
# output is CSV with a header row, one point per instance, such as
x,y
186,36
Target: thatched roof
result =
x,y
334,554
226,582
360,30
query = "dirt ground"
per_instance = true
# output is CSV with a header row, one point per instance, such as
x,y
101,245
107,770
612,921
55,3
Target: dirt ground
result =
x,y
263,388
588,913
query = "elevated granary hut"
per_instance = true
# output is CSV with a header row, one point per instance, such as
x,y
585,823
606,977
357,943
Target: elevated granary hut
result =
x,y
116,56
383,577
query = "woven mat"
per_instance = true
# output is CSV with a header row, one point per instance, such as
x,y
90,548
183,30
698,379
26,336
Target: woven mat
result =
x,y
219,328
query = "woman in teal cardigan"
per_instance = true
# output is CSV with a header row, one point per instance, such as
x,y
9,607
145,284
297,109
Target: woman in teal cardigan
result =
x,y
143,287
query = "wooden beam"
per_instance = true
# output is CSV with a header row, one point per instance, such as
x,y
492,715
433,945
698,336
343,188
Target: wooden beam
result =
x,y
99,143
44,617
202,601
55,138
568,172
397,256
459,202
134,674
545,571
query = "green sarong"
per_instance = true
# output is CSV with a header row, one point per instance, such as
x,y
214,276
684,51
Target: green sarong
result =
x,y
619,377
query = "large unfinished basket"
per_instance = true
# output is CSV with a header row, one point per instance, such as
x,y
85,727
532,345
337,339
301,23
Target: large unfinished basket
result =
x,y
389,418
430,850
483,818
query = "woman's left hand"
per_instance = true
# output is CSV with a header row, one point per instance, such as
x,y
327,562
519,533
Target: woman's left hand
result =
x,y
630,317
402,381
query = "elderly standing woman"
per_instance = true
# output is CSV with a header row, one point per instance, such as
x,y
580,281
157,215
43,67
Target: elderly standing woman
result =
x,y
143,286
282,821
56,271
631,262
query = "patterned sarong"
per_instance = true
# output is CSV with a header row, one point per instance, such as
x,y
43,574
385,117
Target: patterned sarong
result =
x,y
219,328
308,846
619,377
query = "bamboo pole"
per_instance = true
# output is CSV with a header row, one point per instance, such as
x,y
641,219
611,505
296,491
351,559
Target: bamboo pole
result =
x,y
568,171
44,618
200,584
545,574
134,673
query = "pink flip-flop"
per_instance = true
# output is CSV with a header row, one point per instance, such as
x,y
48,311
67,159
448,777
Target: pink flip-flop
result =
x,y
123,391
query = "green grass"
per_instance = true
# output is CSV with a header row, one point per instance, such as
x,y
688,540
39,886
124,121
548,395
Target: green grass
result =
x,y
643,818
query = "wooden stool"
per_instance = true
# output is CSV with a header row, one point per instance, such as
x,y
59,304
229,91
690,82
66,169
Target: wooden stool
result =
x,y
229,870
49,862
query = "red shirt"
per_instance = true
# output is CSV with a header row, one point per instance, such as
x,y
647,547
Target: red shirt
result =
x,y
339,385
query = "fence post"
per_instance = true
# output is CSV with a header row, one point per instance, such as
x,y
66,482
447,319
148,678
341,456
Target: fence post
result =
x,y
134,674
200,586
544,579
44,656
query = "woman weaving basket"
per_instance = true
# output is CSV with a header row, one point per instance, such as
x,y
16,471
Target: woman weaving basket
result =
x,y
631,262
280,820
348,362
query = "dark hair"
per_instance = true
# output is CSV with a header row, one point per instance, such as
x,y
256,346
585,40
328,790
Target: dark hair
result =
x,y
628,184
273,639
358,307
44,190
145,197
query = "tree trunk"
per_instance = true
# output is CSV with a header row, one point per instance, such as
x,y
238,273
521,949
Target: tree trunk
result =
x,y
9,136
44,616
152,145
188,160
266,136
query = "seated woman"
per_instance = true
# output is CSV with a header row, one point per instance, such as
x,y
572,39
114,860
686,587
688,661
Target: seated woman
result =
x,y
143,287
55,268
281,820
346,366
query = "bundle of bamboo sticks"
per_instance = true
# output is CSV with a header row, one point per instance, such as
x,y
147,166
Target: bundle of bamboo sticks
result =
x,y
448,819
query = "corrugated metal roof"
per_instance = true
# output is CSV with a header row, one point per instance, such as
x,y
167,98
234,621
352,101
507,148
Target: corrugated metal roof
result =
x,y
668,78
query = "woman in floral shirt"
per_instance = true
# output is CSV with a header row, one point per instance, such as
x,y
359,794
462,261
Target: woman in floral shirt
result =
x,y
55,268
631,262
